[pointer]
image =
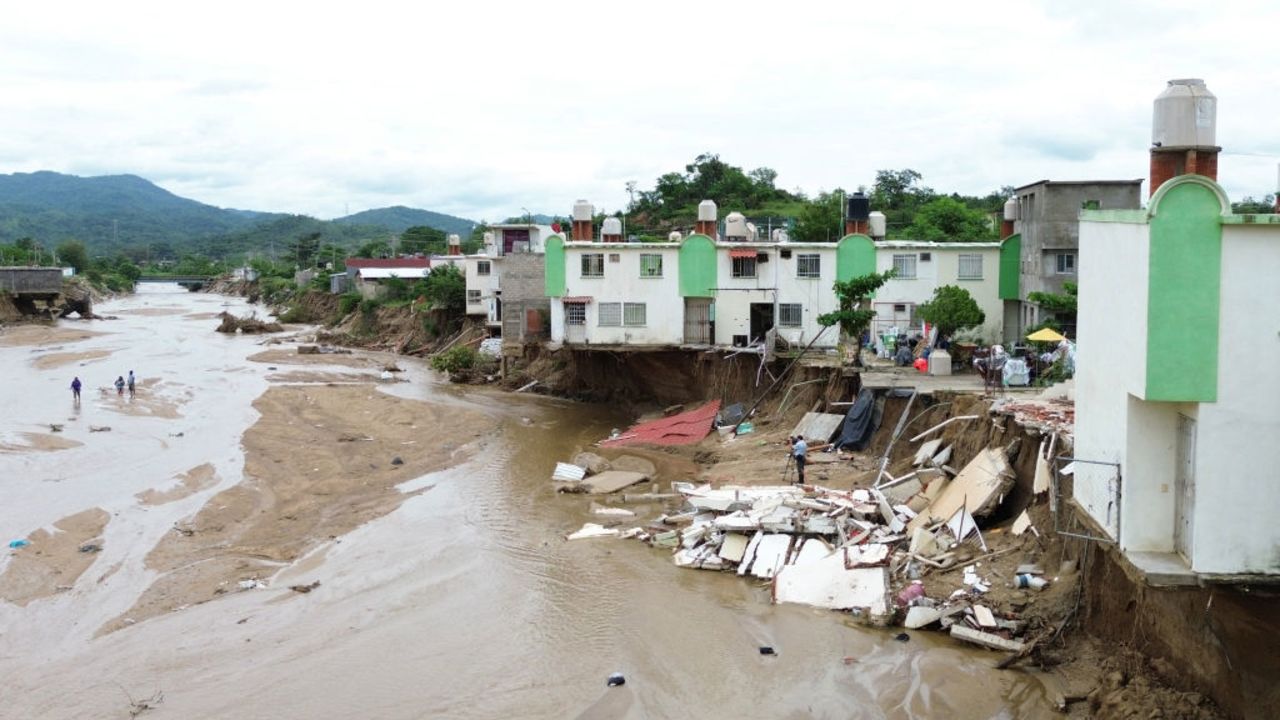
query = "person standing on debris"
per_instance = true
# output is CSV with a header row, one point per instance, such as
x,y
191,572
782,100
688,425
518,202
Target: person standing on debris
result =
x,y
75,389
120,385
130,383
798,449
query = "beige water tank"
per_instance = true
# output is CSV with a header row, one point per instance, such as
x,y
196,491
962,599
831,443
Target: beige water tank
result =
x,y
939,362
489,244
707,211
675,236
735,227
780,235
1185,115
455,240
583,211
1011,209
876,224
611,226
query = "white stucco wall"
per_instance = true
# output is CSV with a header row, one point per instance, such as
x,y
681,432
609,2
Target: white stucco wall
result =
x,y
1110,361
486,284
622,283
815,295
943,268
1237,493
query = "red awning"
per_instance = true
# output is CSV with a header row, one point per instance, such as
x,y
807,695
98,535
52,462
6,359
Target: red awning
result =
x,y
582,299
742,252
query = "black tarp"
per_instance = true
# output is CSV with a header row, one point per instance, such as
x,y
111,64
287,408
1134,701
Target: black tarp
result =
x,y
855,432
732,415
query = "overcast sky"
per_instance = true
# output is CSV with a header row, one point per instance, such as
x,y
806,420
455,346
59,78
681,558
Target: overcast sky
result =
x,y
480,109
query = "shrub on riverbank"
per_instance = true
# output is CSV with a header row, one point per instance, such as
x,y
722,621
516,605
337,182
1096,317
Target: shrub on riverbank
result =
x,y
455,359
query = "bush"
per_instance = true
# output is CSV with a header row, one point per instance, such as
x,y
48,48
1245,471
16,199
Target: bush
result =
x,y
369,306
295,314
275,290
454,359
348,302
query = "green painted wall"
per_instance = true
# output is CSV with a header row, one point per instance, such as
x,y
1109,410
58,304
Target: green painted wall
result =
x,y
554,275
1010,267
855,256
698,276
1183,290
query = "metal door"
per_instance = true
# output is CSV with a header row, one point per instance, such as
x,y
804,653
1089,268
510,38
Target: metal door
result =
x,y
1185,487
575,322
697,321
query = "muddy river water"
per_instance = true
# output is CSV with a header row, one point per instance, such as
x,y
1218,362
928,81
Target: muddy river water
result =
x,y
462,602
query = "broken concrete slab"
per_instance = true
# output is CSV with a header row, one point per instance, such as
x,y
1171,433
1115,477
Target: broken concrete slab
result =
x,y
919,616
984,616
978,488
771,554
633,463
985,639
568,472
818,427
1022,523
826,583
592,530
611,481
750,554
866,555
592,463
927,451
734,547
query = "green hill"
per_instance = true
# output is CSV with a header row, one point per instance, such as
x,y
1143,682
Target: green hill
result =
x,y
400,218
278,232
107,212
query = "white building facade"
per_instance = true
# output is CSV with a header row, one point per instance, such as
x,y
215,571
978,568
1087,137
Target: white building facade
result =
x,y
923,267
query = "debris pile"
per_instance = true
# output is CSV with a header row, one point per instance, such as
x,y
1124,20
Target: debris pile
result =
x,y
246,325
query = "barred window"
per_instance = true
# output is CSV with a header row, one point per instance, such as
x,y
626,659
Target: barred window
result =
x,y
744,267
808,265
970,266
790,315
650,265
1066,263
593,265
904,266
482,267
609,315
575,313
633,314
473,297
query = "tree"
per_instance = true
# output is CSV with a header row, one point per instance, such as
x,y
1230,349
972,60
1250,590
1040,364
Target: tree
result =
x,y
445,287
946,219
374,249
952,308
73,253
304,248
820,220
1062,307
423,239
1249,206
853,315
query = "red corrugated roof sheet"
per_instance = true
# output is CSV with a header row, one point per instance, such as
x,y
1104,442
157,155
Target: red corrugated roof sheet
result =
x,y
686,428
742,252
414,262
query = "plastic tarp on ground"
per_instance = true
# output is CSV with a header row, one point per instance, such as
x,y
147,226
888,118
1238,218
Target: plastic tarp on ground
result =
x,y
686,428
858,427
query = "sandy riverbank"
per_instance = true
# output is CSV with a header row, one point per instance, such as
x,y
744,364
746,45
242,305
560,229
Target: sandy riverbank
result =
x,y
51,361
54,560
41,335
320,462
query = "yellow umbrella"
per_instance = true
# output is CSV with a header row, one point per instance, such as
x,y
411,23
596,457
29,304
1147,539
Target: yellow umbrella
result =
x,y
1045,335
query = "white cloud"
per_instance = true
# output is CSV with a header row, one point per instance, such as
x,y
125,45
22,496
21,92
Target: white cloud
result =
x,y
480,109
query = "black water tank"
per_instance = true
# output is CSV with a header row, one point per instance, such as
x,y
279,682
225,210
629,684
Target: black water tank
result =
x,y
859,207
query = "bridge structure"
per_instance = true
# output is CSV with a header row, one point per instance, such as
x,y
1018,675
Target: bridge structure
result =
x,y
31,281
190,282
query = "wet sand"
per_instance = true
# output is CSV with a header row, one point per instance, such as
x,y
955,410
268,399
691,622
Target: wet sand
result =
x,y
40,335
282,356
39,442
291,501
50,361
190,482
53,561
153,398
153,311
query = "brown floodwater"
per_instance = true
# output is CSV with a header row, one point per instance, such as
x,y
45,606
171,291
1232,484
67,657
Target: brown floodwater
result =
x,y
465,602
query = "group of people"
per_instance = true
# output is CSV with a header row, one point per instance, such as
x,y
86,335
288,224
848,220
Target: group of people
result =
x,y
121,383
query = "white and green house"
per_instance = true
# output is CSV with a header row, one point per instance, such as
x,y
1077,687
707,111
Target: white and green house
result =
x,y
1177,384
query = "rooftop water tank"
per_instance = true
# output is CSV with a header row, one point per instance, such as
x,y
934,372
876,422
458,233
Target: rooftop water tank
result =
x,y
707,211
858,207
876,224
1186,115
583,211
455,240
611,226
1011,209
780,235
675,237
735,226
489,242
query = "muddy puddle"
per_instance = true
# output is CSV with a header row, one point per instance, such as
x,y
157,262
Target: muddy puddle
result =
x,y
460,601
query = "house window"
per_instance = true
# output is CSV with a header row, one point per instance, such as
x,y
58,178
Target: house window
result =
x,y
473,297
970,266
575,313
790,315
633,314
482,267
900,307
808,265
609,314
926,257
650,265
744,267
615,257
904,267
593,265
1066,263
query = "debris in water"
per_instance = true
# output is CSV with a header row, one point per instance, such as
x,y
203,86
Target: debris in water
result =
x,y
592,530
397,461
767,650
902,637
252,584
19,543
90,548
305,588
99,428
55,427
615,680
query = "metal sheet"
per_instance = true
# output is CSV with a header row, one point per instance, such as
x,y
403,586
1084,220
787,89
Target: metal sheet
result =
x,y
818,426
